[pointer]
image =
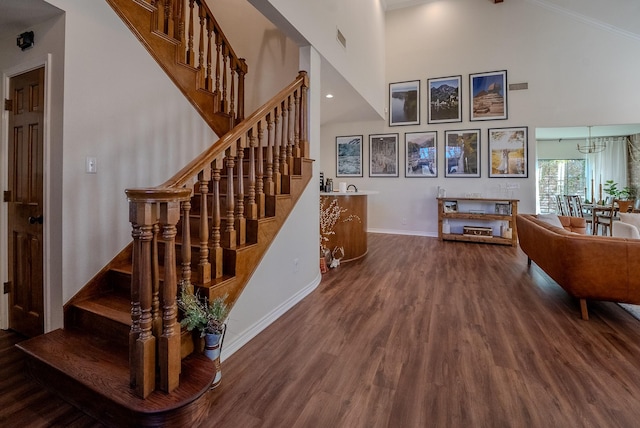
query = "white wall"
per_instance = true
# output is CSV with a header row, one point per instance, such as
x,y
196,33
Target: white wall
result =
x,y
578,74
362,24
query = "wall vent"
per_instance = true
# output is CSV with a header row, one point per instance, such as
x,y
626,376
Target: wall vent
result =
x,y
518,86
341,38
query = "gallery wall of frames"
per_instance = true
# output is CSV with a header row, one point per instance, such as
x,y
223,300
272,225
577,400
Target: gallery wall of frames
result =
x,y
461,145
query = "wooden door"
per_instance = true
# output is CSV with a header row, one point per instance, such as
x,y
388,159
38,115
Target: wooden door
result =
x,y
25,196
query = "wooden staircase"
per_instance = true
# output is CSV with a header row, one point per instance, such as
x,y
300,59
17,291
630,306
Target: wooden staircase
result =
x,y
121,356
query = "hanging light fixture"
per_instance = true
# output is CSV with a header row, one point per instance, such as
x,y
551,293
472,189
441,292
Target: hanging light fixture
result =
x,y
591,146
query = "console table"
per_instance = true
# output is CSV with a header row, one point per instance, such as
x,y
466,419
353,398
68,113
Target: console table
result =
x,y
482,214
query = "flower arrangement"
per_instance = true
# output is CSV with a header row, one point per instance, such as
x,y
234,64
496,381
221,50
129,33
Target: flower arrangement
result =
x,y
330,215
208,318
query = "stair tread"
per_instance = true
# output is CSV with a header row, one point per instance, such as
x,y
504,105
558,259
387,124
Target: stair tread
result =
x,y
104,368
114,306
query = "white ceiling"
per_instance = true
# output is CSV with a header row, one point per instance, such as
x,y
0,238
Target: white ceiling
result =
x,y
18,15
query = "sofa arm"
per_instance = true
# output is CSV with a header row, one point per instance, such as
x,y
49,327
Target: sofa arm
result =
x,y
574,224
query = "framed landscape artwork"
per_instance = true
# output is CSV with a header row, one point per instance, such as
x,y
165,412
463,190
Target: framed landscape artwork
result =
x,y
444,99
462,153
508,152
349,156
404,103
421,154
383,155
488,93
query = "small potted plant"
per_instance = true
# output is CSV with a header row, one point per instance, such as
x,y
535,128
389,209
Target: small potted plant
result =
x,y
209,318
624,196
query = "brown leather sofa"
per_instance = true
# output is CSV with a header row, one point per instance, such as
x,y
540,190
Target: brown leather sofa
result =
x,y
586,266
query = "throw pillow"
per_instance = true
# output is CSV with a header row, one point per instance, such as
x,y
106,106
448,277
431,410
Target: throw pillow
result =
x,y
552,219
631,218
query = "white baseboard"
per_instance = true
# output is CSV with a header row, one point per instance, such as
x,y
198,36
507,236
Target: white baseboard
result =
x,y
404,232
243,338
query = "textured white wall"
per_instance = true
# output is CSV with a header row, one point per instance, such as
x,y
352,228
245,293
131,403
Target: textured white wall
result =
x,y
578,74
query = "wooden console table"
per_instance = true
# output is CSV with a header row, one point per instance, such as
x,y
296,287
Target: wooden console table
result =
x,y
479,210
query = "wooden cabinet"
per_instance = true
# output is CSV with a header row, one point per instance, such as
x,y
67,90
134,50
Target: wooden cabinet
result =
x,y
482,216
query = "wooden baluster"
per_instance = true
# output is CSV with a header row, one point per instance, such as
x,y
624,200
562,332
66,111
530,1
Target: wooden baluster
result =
x,y
229,237
209,77
168,18
241,73
216,249
136,312
304,129
232,96
180,24
204,267
296,125
268,185
203,30
190,52
240,220
169,342
260,172
289,138
186,242
142,350
284,166
251,208
277,175
225,54
156,317
216,92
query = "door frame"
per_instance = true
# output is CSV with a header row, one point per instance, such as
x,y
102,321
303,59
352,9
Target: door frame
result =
x,y
4,167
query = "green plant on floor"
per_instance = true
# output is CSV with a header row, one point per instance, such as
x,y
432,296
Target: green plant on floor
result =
x,y
198,314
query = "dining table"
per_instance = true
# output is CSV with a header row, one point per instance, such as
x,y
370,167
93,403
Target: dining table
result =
x,y
594,209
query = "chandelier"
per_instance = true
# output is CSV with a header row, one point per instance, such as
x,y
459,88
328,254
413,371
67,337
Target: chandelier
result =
x,y
591,146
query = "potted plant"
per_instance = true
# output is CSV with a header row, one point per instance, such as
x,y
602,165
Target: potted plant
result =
x,y
624,196
209,318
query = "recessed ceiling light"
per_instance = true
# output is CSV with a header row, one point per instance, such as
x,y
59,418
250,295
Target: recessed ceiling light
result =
x,y
329,95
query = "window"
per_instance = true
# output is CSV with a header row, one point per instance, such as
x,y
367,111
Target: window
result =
x,y
559,177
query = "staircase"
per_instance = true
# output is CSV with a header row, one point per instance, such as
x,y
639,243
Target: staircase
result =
x,y
121,356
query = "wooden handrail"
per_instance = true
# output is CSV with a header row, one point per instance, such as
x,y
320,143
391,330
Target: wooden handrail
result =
x,y
155,214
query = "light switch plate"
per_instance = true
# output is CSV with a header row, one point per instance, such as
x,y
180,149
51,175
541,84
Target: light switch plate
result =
x,y
91,165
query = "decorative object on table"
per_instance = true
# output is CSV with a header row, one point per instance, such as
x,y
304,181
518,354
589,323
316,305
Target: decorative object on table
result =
x,y
383,155
404,103
450,206
462,153
328,187
508,152
421,154
488,93
209,318
330,214
349,156
477,231
444,99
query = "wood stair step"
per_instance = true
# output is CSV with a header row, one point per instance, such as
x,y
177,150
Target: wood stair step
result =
x,y
93,374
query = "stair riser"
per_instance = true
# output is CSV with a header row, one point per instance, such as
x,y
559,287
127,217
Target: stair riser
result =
x,y
100,326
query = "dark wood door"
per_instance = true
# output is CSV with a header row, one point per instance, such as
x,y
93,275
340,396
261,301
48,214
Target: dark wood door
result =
x,y
25,196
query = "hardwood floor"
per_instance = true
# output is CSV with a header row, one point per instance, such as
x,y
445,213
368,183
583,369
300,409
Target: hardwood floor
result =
x,y
418,333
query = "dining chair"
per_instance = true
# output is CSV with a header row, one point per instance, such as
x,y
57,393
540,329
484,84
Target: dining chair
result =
x,y
577,209
606,218
562,205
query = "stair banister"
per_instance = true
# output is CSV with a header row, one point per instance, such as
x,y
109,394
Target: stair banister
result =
x,y
158,211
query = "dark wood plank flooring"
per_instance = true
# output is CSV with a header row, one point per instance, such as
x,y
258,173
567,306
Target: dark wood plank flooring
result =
x,y
420,333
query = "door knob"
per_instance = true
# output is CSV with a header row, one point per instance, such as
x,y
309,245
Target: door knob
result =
x,y
34,220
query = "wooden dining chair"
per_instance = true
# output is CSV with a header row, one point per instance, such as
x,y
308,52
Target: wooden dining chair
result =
x,y
562,205
605,219
576,209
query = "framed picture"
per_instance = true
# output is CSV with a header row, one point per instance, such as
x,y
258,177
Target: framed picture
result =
x,y
383,155
349,156
421,154
462,153
508,152
444,99
404,103
488,93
